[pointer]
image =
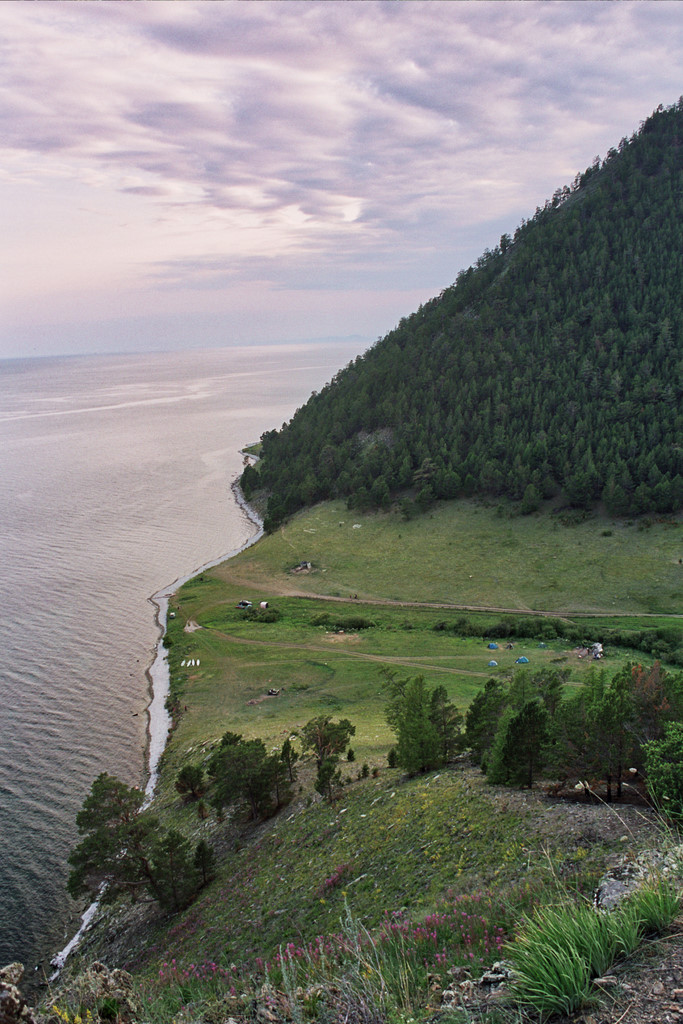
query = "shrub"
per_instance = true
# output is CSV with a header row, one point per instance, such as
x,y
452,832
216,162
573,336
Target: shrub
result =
x,y
353,622
664,768
261,614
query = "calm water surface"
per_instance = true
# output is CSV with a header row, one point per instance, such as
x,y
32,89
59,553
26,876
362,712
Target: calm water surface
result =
x,y
116,477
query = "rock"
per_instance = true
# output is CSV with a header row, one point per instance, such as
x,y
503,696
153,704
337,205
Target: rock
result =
x,y
99,983
628,874
13,1008
494,978
11,1004
466,990
488,988
677,995
12,973
658,989
459,973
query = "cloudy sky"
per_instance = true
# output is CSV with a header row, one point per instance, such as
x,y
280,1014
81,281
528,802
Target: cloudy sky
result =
x,y
182,173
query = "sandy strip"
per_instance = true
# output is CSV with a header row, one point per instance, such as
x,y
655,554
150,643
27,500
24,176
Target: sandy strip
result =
x,y
159,720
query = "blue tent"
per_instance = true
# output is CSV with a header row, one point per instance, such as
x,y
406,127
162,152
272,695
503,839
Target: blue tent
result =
x,y
522,661
492,664
493,647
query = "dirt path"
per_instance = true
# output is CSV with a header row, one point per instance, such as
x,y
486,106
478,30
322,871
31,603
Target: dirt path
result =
x,y
282,590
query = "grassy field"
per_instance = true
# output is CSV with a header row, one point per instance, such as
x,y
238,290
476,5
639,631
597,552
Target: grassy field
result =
x,y
468,554
408,578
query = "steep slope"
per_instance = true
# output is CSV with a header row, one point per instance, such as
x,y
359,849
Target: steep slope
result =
x,y
551,368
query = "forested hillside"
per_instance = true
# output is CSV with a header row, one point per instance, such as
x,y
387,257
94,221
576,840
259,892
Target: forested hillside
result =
x,y
552,368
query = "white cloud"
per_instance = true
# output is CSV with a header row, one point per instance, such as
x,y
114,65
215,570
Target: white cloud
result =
x,y
302,142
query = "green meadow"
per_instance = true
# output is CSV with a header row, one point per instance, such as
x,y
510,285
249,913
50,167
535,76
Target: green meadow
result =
x,y
471,554
412,585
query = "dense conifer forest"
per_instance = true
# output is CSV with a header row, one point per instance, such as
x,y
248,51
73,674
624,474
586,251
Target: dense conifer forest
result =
x,y
550,369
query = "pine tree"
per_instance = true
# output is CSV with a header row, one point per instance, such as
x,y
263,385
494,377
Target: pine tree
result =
x,y
116,847
518,749
419,746
177,878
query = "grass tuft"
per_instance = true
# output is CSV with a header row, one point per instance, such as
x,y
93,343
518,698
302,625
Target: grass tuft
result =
x,y
561,949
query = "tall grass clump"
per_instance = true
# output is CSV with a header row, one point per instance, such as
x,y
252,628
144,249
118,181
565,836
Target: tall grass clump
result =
x,y
559,951
176,989
556,954
655,905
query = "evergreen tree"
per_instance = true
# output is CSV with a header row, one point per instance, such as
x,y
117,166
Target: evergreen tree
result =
x,y
328,777
664,767
518,748
245,773
611,718
419,746
204,861
177,878
447,721
124,852
115,850
190,780
482,718
326,738
289,756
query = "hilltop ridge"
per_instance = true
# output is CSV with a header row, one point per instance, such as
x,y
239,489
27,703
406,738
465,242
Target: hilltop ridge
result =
x,y
550,369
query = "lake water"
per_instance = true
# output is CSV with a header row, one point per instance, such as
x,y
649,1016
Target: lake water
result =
x,y
116,474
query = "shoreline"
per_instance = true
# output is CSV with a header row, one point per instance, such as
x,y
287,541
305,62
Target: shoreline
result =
x,y
158,685
158,718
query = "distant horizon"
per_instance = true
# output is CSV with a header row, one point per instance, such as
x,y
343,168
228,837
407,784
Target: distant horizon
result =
x,y
176,175
351,341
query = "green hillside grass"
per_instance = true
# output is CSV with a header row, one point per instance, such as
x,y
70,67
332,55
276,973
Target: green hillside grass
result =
x,y
390,846
472,554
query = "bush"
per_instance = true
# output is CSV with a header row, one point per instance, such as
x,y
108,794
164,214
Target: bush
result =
x,y
322,619
261,614
664,769
353,622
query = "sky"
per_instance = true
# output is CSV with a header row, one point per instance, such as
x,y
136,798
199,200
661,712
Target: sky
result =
x,y
196,173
